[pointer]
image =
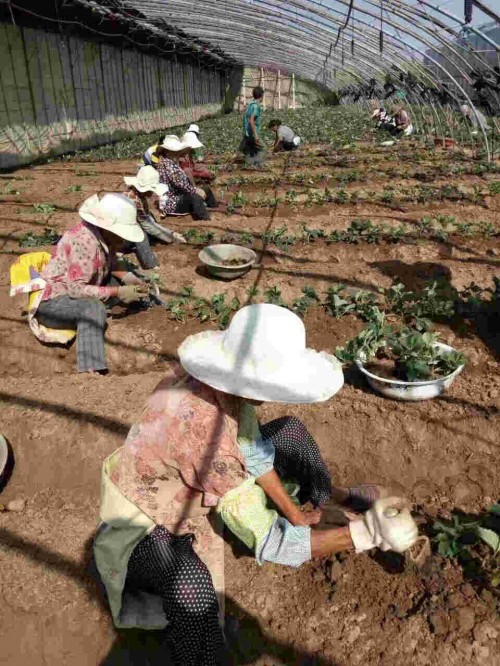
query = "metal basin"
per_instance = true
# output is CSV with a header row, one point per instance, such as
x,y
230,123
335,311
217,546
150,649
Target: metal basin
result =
x,y
213,257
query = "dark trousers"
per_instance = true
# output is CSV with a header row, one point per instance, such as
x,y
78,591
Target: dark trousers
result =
x,y
193,204
253,152
165,564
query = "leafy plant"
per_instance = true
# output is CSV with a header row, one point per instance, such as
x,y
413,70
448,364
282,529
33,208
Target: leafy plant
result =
x,y
303,303
238,200
458,537
494,187
44,208
31,239
73,188
417,357
273,296
197,237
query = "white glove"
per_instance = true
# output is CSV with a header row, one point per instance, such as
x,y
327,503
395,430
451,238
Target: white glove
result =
x,y
132,278
388,525
178,238
201,193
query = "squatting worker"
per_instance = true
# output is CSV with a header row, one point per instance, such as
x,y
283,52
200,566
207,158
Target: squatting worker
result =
x,y
140,187
182,197
194,159
286,139
198,448
252,146
402,122
77,275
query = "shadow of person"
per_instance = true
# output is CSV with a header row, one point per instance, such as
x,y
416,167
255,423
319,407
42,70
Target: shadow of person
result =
x,y
418,275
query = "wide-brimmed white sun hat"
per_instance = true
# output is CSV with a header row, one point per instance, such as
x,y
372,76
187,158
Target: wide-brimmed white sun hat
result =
x,y
191,140
262,356
147,180
114,213
193,128
173,143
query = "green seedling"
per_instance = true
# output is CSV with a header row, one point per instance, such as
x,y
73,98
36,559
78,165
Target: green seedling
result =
x,y
48,237
44,208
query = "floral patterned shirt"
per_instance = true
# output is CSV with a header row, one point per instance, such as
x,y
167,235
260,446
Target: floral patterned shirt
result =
x,y
79,266
178,183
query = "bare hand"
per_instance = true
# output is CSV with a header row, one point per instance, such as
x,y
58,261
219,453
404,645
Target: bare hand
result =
x,y
309,517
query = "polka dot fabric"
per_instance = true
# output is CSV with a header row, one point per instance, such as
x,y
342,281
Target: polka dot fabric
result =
x,y
298,458
167,565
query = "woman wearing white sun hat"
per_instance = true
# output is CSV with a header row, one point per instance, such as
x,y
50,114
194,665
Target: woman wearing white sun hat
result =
x,y
145,183
199,447
182,197
76,277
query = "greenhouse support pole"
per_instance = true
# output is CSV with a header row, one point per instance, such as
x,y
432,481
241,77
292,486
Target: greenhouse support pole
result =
x,y
293,91
279,89
262,86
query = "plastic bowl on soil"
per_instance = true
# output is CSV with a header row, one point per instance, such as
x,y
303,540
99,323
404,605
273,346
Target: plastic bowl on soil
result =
x,y
399,390
214,257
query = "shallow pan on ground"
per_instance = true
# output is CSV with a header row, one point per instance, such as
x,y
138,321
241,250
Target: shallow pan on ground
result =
x,y
227,261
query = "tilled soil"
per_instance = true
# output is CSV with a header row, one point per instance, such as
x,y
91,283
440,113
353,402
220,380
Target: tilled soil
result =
x,y
442,454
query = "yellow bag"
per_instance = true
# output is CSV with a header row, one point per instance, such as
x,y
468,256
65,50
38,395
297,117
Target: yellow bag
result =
x,y
25,279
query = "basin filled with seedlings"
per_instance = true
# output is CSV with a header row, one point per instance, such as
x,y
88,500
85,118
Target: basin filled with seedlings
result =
x,y
227,261
410,365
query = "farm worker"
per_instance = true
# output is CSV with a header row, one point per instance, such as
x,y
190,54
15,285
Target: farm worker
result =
x,y
192,161
251,146
286,139
77,275
380,116
475,119
182,197
150,157
402,121
146,183
193,171
198,448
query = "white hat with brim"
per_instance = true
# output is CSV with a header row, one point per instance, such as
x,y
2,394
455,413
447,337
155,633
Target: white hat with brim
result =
x,y
172,143
262,356
114,213
193,128
191,140
147,180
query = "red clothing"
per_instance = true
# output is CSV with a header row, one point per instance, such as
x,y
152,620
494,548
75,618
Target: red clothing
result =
x,y
195,170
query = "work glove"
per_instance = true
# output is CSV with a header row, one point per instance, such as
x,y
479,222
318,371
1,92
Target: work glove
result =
x,y
201,193
132,278
178,238
388,525
132,293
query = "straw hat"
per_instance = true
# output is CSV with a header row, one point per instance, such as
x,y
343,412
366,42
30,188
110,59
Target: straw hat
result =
x,y
193,128
114,213
173,143
147,180
190,139
262,356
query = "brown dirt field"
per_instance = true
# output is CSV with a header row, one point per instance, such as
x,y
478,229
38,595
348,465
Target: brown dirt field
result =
x,y
442,454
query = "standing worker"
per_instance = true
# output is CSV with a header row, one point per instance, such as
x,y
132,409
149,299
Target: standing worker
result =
x,y
252,146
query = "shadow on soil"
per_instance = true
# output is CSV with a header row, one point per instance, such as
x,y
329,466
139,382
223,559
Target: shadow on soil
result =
x,y
246,639
484,321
